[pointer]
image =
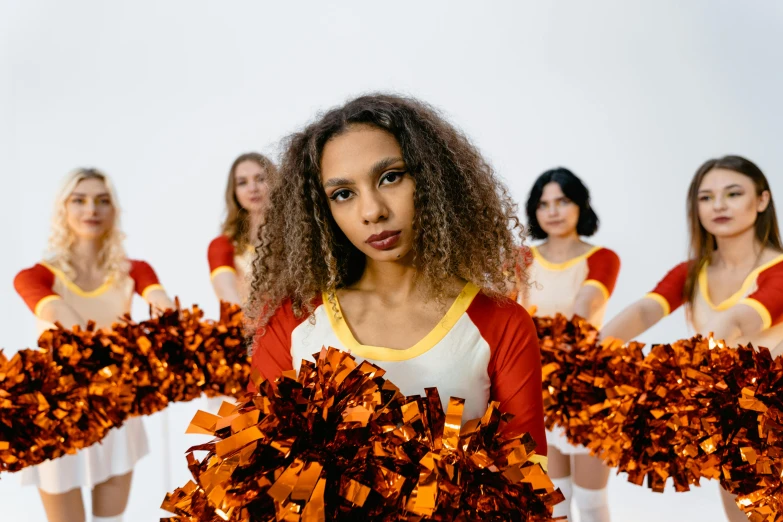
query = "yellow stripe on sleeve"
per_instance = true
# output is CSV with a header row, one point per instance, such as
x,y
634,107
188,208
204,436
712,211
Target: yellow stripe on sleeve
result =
x,y
599,285
661,301
40,304
220,270
151,288
766,317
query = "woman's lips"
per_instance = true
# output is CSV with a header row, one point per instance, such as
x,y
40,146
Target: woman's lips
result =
x,y
385,240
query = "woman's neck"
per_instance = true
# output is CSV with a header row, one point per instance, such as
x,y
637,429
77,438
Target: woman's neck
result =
x,y
562,247
391,281
85,255
741,252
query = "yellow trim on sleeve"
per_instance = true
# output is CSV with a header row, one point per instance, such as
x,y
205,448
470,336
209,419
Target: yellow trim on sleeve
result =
x,y
766,317
739,294
40,304
151,288
72,286
565,265
599,285
221,269
378,353
661,300
540,459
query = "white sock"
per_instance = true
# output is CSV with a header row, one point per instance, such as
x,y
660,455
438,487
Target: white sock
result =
x,y
115,518
593,504
563,509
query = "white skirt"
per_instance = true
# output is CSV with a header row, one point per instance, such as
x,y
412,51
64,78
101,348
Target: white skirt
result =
x,y
557,439
114,456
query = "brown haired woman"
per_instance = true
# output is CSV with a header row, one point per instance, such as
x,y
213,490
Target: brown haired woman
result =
x,y
385,236
88,277
231,254
731,285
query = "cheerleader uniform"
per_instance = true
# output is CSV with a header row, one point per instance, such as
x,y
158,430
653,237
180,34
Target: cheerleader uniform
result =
x,y
122,447
554,289
762,290
483,349
223,257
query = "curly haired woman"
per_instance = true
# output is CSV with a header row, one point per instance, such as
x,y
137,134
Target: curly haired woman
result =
x,y
386,235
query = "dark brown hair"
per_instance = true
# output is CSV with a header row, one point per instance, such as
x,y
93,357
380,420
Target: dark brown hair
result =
x,y
465,224
237,222
702,243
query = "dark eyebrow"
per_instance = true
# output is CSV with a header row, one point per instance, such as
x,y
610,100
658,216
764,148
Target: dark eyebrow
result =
x,y
732,186
376,169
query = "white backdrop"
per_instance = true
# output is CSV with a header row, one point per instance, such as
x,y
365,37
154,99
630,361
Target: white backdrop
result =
x,y
163,95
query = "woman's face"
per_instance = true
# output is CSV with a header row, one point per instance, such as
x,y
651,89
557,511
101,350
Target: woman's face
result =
x,y
251,188
557,215
728,203
89,210
370,192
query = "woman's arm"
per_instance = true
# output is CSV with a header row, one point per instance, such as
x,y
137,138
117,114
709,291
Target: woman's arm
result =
x,y
34,286
634,320
226,286
589,301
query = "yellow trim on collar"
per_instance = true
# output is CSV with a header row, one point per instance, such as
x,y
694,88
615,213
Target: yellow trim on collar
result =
x,y
73,287
661,300
559,267
220,270
599,285
739,294
40,304
379,353
766,317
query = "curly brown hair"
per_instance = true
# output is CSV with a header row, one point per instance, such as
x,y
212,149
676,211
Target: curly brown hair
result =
x,y
465,224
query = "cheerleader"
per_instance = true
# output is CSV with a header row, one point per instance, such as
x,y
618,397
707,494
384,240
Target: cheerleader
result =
x,y
88,277
385,236
231,254
731,285
570,276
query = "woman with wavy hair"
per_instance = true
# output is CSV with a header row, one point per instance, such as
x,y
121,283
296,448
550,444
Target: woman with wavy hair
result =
x,y
88,277
231,254
386,235
731,284
570,277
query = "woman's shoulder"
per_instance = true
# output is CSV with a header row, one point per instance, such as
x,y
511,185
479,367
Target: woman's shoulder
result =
x,y
221,242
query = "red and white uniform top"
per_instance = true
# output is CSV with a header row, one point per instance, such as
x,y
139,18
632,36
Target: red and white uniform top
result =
x,y
762,290
106,304
223,257
554,286
483,349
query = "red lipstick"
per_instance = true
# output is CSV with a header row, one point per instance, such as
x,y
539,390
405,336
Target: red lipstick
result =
x,y
385,240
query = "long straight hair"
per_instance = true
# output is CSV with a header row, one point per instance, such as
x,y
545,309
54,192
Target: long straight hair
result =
x,y
237,223
702,243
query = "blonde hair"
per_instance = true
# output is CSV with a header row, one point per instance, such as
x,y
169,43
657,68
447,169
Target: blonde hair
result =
x,y
111,256
237,222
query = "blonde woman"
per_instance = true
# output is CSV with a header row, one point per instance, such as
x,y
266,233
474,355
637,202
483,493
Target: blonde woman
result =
x,y
88,277
231,254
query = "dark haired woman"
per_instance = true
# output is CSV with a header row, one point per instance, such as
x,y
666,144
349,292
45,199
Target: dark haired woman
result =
x,y
385,233
731,285
570,277
230,254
